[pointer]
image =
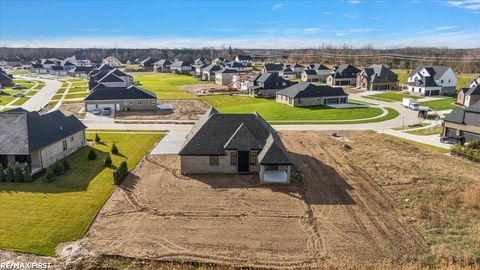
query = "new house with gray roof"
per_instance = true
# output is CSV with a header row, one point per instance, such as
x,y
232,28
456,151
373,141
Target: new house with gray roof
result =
x,y
377,77
222,143
120,98
308,94
432,81
39,140
463,122
469,96
344,75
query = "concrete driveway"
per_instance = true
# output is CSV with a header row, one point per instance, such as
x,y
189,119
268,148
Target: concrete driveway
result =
x,y
170,144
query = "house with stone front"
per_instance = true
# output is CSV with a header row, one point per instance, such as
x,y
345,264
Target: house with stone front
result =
x,y
468,96
432,81
222,143
308,94
463,122
377,77
120,99
38,140
343,75
112,61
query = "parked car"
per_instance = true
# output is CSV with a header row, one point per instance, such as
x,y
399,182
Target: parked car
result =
x,y
452,139
96,111
107,111
17,87
19,95
414,106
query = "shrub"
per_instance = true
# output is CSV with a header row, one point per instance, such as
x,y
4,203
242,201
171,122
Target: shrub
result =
x,y
114,149
97,138
49,177
2,174
18,173
27,173
120,173
92,155
58,169
10,173
108,161
65,164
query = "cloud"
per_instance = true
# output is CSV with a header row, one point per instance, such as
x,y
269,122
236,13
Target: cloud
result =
x,y
374,18
326,13
277,6
467,4
312,30
354,2
350,15
443,28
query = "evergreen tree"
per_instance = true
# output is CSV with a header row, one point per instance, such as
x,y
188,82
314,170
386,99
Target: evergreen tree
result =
x,y
2,174
108,161
49,177
27,173
97,138
10,173
114,149
65,164
92,155
18,173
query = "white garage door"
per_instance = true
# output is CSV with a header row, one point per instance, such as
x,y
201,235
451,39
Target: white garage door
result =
x,y
103,106
91,107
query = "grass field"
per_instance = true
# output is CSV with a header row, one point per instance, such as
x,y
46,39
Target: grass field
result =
x,y
166,86
36,217
402,75
80,95
20,101
273,111
78,89
390,96
5,98
441,104
463,81
426,131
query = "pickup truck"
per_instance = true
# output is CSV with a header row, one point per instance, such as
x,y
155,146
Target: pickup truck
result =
x,y
411,104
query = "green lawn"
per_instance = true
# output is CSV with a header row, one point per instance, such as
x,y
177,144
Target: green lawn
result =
x,y
20,101
26,84
441,104
40,85
426,131
166,86
390,96
463,81
402,75
5,98
274,111
81,95
61,90
36,217
78,89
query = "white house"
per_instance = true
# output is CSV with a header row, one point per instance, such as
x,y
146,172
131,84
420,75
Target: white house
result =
x,y
432,80
244,59
112,61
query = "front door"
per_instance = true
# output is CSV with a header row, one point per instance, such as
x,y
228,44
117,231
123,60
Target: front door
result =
x,y
243,162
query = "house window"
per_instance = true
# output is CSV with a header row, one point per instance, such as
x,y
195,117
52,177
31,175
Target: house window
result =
x,y
272,168
253,158
299,101
139,102
130,102
441,81
233,158
213,160
64,144
72,138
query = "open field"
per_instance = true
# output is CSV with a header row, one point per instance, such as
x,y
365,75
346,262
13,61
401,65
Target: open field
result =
x,y
37,216
166,86
335,212
441,104
76,95
273,111
390,96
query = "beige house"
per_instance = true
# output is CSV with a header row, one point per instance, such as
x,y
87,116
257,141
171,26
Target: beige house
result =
x,y
120,99
463,122
343,75
235,144
225,76
38,140
377,77
469,96
112,61
307,94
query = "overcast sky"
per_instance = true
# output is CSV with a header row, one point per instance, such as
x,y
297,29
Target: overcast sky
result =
x,y
242,24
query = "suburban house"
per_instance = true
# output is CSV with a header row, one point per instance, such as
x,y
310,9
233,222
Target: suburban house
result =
x,y
235,144
298,69
162,65
112,61
208,72
307,94
67,65
238,66
219,61
47,63
225,76
267,85
57,71
5,79
38,68
272,68
199,70
39,140
120,99
377,77
475,82
201,61
112,78
182,67
246,60
11,61
309,75
463,122
81,71
288,73
322,72
148,62
345,74
248,82
79,60
469,96
432,80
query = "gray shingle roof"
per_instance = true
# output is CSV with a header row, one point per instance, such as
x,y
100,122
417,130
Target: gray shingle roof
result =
x,y
435,71
273,154
119,93
216,132
23,132
424,82
244,57
458,114
307,90
345,71
473,91
212,68
273,67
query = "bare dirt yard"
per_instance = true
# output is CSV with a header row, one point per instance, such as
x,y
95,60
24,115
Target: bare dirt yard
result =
x,y
353,201
70,109
188,109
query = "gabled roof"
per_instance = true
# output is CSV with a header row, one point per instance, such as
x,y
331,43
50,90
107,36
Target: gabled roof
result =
x,y
379,73
310,72
307,90
110,78
212,68
424,82
227,70
23,132
273,153
244,57
37,66
83,69
105,67
119,93
57,68
270,67
163,63
319,67
473,91
345,71
178,64
434,71
458,115
215,133
297,65
234,64
269,78
67,63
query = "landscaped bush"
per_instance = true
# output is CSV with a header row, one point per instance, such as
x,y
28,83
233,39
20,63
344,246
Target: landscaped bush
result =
x,y
27,173
10,173
92,155
120,173
114,149
15,173
65,164
57,169
471,151
49,177
97,138
108,161
2,174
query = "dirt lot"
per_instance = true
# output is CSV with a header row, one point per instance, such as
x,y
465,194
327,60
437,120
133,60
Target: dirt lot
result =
x,y
69,109
188,109
334,214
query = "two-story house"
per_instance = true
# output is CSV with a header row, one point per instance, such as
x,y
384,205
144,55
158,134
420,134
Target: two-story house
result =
x,y
432,81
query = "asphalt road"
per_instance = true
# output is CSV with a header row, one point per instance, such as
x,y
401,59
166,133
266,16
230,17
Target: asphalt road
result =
x,y
43,96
